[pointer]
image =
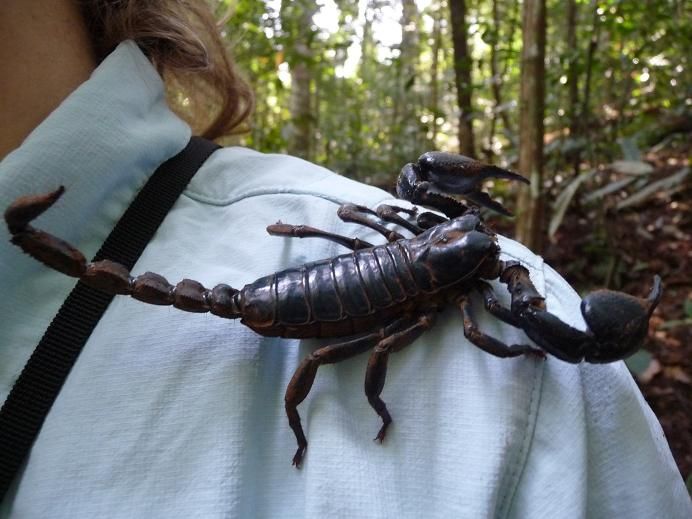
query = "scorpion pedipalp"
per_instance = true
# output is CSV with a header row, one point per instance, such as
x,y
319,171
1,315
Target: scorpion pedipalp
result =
x,y
436,174
617,323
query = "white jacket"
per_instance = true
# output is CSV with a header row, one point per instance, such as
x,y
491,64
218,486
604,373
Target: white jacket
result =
x,y
171,414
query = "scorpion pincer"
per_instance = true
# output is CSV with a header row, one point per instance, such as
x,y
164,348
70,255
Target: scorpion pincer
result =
x,y
379,297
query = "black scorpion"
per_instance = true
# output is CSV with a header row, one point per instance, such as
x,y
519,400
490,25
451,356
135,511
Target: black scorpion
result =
x,y
379,297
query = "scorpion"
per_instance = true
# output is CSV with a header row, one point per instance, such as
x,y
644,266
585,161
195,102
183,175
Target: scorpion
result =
x,y
377,297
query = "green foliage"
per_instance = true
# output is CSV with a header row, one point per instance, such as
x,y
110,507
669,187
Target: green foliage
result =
x,y
639,362
378,102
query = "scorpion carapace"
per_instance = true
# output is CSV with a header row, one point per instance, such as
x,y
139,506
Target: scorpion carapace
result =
x,y
376,297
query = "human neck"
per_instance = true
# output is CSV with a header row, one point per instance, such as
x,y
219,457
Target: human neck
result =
x,y
45,53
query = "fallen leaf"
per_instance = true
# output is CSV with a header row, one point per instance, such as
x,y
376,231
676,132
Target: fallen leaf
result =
x,y
677,373
653,369
632,167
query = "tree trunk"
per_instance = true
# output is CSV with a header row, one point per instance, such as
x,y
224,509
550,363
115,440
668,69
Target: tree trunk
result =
x,y
497,76
367,46
462,73
572,78
435,72
299,57
572,52
300,133
405,126
585,119
530,206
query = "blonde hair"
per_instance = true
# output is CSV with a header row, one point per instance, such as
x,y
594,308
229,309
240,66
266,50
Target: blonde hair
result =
x,y
181,39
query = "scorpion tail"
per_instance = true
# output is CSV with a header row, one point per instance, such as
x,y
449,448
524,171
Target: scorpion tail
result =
x,y
46,248
106,275
26,208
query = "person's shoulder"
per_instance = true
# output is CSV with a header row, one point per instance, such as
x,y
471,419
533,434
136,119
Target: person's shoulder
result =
x,y
236,173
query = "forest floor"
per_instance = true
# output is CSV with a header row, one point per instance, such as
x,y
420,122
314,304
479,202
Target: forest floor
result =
x,y
598,246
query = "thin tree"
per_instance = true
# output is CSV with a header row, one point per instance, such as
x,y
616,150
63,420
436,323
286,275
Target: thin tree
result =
x,y
572,76
585,119
405,124
462,75
497,75
530,205
296,19
435,72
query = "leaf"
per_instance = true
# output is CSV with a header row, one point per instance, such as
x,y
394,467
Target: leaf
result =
x,y
653,188
653,369
504,107
563,200
609,188
572,144
410,82
678,374
489,36
639,362
675,323
632,167
630,150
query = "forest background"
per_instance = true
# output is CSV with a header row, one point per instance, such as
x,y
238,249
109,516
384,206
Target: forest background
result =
x,y
590,99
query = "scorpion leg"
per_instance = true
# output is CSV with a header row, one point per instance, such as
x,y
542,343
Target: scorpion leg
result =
x,y
490,344
390,213
305,231
494,307
377,365
353,213
303,378
428,219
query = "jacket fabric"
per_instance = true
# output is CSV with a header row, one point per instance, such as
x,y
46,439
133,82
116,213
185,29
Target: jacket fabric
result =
x,y
174,414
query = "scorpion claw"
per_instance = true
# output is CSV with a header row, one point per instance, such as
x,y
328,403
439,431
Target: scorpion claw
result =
x,y
483,199
438,172
617,323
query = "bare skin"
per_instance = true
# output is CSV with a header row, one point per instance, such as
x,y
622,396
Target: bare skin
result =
x,y
45,53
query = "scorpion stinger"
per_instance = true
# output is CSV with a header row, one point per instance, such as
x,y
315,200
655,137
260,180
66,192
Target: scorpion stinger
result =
x,y
436,173
109,276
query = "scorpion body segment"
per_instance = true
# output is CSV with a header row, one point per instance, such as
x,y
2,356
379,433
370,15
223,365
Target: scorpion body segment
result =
x,y
376,297
336,297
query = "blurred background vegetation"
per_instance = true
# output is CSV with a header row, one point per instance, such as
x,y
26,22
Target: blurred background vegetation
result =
x,y
365,86
591,99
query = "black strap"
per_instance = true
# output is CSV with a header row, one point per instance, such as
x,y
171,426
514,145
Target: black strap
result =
x,y
37,387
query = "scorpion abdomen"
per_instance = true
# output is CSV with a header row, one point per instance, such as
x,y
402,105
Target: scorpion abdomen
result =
x,y
324,297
